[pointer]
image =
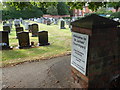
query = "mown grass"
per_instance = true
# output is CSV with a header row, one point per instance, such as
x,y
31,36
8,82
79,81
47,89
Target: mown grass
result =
x,y
59,39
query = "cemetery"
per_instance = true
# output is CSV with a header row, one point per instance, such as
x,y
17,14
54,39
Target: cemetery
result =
x,y
47,39
74,48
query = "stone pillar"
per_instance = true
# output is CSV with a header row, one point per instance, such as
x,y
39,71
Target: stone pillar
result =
x,y
95,51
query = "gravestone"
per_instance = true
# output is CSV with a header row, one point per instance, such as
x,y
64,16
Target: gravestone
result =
x,y
34,30
4,40
18,29
6,28
23,39
30,27
26,25
4,22
43,38
55,21
95,58
48,22
8,24
23,22
17,23
62,25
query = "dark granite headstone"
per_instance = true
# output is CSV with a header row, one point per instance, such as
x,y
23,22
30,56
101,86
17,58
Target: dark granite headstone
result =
x,y
6,28
62,25
18,29
34,30
43,38
4,40
23,39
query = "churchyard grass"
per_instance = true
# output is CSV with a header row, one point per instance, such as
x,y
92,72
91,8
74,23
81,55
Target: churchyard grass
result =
x,y
59,39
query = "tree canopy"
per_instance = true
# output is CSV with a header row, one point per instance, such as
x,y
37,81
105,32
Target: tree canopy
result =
x,y
73,5
115,5
52,10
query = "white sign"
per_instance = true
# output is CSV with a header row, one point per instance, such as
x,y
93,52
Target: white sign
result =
x,y
79,51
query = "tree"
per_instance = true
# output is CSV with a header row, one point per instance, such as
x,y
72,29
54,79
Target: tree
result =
x,y
52,10
62,8
11,12
73,5
115,5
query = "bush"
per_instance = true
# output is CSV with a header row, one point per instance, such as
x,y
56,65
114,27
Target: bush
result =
x,y
115,15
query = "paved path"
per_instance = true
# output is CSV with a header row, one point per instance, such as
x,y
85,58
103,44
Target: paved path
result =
x,y
53,73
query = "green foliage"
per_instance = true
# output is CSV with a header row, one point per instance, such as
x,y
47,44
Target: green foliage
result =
x,y
11,12
52,10
103,11
116,15
62,8
95,5
76,5
115,5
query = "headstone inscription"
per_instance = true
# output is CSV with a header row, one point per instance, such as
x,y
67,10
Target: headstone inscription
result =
x,y
23,39
4,40
18,29
6,28
62,24
34,30
94,54
43,38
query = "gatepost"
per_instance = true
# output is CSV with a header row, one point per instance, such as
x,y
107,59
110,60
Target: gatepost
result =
x,y
95,57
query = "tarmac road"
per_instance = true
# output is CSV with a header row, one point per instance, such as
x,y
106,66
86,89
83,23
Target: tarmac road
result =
x,y
52,73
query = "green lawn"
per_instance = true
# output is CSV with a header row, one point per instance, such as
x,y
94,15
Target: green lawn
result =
x,y
59,39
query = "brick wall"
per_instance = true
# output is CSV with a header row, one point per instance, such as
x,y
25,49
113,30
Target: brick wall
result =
x,y
103,59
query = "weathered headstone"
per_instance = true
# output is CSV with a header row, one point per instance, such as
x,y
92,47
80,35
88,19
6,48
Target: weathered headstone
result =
x,y
95,57
8,24
21,20
4,22
26,25
6,28
4,40
48,22
18,29
43,38
23,39
17,23
34,30
62,25
55,21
